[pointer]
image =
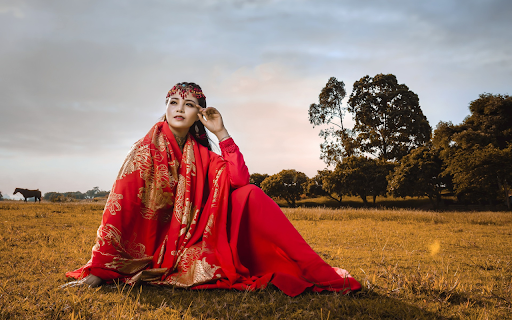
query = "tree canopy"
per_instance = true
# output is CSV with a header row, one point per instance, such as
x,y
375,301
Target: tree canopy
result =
x,y
420,173
478,152
257,178
329,111
388,119
359,176
287,184
389,122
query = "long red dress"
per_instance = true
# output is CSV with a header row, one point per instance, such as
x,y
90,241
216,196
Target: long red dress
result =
x,y
191,219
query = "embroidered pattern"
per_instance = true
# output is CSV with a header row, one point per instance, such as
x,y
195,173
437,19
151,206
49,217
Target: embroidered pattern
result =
x,y
112,204
159,181
130,257
192,270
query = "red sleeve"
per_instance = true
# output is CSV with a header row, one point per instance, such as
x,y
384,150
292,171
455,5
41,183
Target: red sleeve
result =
x,y
238,172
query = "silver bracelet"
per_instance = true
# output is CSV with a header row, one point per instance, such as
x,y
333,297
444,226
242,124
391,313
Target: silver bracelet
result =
x,y
228,136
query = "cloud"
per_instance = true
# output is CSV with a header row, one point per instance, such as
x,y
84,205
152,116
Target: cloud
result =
x,y
81,81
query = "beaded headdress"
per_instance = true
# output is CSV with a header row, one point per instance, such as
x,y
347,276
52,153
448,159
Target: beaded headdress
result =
x,y
184,89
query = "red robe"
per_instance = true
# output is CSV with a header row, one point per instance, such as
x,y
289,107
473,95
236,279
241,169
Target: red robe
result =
x,y
173,218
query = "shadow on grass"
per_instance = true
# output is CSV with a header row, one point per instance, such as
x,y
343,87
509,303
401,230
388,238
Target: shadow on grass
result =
x,y
393,203
271,303
355,203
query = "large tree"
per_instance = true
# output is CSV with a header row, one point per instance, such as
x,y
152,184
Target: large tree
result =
x,y
478,152
287,184
329,111
388,119
359,176
420,173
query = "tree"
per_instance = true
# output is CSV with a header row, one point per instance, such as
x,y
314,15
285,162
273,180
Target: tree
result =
x,y
90,194
74,195
329,111
1,196
478,152
388,119
360,176
420,173
257,178
324,185
96,193
287,184
482,174
490,121
52,196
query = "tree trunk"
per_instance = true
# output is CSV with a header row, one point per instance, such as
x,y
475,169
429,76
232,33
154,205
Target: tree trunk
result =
x,y
438,200
508,198
334,198
365,202
431,198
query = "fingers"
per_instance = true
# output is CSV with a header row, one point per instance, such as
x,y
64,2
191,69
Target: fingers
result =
x,y
72,284
200,115
91,280
209,113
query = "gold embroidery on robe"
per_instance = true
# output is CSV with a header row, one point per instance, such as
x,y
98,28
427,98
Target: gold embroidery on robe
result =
x,y
191,270
157,178
130,256
113,204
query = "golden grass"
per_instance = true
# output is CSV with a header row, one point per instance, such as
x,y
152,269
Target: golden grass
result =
x,y
412,264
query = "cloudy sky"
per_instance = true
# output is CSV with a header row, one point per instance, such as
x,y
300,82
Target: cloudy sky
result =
x,y
81,81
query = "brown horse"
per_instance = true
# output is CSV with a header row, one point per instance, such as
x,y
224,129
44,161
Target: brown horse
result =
x,y
36,194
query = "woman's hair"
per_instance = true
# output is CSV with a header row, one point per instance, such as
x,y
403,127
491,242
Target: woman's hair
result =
x,y
197,130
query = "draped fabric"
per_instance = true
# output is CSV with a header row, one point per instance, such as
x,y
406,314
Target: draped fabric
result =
x,y
171,219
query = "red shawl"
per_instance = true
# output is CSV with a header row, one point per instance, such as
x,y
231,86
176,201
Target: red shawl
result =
x,y
165,218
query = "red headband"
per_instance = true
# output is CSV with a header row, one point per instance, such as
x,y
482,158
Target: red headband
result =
x,y
184,90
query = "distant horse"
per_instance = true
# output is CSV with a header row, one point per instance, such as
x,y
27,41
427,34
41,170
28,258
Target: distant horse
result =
x,y
36,194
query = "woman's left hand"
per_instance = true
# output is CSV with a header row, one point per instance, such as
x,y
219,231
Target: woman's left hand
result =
x,y
212,120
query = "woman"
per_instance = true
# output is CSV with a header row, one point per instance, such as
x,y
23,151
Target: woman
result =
x,y
179,214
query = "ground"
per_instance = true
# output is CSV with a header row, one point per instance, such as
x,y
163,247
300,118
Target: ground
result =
x,y
412,264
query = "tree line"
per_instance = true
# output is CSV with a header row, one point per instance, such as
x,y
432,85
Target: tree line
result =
x,y
391,149
76,195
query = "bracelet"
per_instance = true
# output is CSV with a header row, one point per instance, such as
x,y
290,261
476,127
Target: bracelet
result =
x,y
228,136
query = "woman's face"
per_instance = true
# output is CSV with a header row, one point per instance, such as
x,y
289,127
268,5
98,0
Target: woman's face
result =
x,y
181,113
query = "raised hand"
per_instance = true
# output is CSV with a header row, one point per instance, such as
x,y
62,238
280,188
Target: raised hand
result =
x,y
212,120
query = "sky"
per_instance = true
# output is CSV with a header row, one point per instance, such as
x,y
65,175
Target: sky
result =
x,y
81,81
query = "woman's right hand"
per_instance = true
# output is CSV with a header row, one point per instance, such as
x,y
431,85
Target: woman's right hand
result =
x,y
212,120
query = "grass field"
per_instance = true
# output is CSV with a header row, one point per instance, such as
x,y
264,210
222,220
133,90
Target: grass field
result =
x,y
412,264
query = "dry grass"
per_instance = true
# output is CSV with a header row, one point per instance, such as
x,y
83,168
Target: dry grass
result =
x,y
412,264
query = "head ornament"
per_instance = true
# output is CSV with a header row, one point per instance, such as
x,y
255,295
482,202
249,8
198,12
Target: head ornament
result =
x,y
185,88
